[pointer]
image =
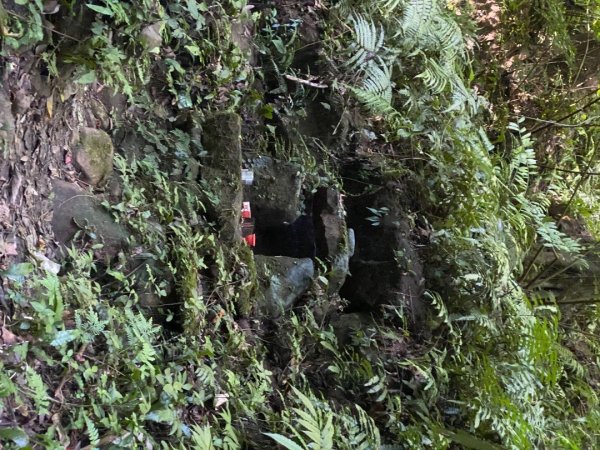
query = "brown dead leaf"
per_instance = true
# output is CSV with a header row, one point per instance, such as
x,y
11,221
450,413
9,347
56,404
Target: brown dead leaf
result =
x,y
50,105
7,337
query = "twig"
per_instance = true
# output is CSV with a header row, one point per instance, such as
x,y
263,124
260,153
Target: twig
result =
x,y
306,82
576,172
577,111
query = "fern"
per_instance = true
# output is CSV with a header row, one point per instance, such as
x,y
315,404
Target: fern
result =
x,y
377,81
435,77
360,431
92,431
368,42
39,391
418,17
202,437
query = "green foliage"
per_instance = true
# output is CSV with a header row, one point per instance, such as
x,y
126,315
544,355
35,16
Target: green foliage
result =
x,y
498,363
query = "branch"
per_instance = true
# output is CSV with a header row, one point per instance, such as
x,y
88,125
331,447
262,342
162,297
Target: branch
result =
x,y
556,122
306,82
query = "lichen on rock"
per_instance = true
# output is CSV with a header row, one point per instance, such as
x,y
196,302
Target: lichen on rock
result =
x,y
93,155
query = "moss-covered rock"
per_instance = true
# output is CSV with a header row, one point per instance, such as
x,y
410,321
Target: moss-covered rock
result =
x,y
94,155
221,173
75,210
151,38
275,194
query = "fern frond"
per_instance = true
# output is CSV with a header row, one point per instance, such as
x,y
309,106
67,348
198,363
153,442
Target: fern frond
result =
x,y
378,81
417,17
92,431
435,77
368,40
375,103
449,37
39,390
389,6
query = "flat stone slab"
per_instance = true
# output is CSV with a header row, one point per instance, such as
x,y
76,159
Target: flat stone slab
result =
x,y
275,194
75,208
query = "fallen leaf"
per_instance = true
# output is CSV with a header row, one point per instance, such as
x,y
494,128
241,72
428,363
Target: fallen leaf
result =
x,y
221,399
8,337
4,213
50,105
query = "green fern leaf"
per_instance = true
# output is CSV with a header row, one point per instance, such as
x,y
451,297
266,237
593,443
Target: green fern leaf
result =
x,y
368,39
417,17
284,441
40,392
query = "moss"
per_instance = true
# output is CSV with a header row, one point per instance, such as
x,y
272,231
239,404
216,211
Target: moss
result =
x,y
94,155
249,287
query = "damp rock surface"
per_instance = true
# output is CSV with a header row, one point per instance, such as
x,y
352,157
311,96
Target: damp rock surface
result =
x,y
221,172
283,280
275,194
76,210
93,155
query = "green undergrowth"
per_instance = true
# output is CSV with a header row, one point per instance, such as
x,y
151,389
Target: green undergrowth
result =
x,y
163,347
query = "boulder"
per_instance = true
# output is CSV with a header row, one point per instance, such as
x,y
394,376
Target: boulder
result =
x,y
275,194
334,242
76,210
385,268
283,280
221,173
93,155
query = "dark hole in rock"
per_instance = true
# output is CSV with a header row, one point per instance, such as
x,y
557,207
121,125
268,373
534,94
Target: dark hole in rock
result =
x,y
296,239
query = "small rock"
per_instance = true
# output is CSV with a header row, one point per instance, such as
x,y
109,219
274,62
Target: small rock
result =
x,y
94,155
151,38
283,280
46,263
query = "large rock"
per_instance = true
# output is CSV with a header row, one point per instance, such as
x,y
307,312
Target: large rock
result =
x,y
385,268
94,154
282,280
275,195
75,210
221,173
334,242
